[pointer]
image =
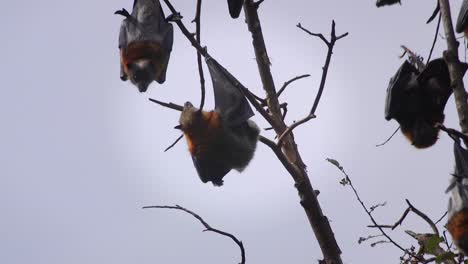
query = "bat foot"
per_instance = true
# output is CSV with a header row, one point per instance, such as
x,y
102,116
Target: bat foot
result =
x,y
174,17
122,12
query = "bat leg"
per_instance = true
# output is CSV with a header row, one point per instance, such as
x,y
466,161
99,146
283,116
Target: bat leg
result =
x,y
174,17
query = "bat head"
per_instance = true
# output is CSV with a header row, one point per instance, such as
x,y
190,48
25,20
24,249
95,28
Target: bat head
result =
x,y
141,73
190,118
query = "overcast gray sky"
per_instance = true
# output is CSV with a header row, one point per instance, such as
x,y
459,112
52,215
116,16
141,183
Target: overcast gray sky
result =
x,y
82,152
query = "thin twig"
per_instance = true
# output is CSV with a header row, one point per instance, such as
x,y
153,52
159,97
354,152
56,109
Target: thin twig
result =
x,y
424,217
390,138
330,44
453,133
206,225
168,105
293,126
435,39
278,94
199,56
175,143
442,217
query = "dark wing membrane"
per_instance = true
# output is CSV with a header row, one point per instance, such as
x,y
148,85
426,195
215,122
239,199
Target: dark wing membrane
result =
x,y
210,170
402,81
435,80
229,100
462,20
235,7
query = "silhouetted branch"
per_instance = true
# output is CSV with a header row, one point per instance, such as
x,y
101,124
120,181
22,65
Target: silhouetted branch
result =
x,y
175,143
168,105
455,67
435,38
199,60
330,44
206,225
388,139
350,183
285,85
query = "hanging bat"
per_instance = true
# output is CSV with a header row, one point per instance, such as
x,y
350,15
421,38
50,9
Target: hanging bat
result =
x,y
222,139
145,43
380,3
458,202
462,20
235,7
416,100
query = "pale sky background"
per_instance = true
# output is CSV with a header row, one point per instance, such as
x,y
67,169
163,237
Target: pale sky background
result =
x,y
82,152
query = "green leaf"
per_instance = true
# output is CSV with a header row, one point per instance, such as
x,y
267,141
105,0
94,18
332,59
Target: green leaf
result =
x,y
335,163
432,244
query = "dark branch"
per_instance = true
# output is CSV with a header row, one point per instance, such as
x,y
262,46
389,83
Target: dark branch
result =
x,y
285,85
175,143
330,45
293,126
388,139
435,39
206,225
199,56
168,105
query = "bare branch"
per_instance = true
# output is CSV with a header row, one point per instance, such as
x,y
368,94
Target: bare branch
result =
x,y
455,66
424,217
168,105
435,38
453,133
330,45
206,225
285,85
336,164
199,60
293,126
388,139
175,143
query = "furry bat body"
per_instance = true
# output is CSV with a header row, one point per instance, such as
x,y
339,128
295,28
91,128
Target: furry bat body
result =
x,y
145,43
222,139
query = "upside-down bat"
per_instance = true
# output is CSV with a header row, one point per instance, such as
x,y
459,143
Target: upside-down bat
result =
x,y
458,202
462,20
235,7
222,139
145,43
416,100
380,3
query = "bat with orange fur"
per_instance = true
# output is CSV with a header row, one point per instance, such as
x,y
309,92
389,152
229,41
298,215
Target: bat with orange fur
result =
x,y
145,43
458,203
416,100
224,138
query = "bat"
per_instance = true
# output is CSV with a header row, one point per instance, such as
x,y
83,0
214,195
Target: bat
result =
x,y
145,43
462,20
458,202
380,3
235,7
416,100
224,138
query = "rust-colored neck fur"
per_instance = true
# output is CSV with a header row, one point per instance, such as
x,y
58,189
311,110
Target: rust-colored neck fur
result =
x,y
201,133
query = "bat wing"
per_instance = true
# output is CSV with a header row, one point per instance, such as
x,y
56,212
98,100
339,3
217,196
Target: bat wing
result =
x,y
229,100
210,170
459,185
435,80
398,90
235,7
462,20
